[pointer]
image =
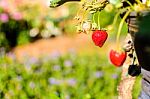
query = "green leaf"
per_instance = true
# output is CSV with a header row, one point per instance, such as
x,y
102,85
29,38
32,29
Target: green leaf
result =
x,y
54,3
53,96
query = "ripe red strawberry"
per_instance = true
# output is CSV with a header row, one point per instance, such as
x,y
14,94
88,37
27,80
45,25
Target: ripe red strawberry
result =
x,y
99,37
117,58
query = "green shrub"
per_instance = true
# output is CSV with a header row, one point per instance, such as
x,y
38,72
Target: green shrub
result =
x,y
59,77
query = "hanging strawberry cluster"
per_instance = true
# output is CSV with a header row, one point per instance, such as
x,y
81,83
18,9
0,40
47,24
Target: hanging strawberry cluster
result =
x,y
86,25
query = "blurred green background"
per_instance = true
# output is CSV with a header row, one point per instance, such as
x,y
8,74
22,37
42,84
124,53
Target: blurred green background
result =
x,y
85,73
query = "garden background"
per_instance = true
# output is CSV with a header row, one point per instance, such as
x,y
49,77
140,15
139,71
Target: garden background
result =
x,y
43,57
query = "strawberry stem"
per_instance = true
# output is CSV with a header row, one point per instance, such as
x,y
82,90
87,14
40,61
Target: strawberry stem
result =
x,y
117,15
120,27
99,27
129,4
93,17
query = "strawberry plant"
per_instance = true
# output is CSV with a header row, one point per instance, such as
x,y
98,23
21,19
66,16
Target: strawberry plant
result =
x,y
127,9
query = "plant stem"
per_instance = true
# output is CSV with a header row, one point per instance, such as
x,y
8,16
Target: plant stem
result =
x,y
117,15
115,18
120,27
93,17
129,4
99,27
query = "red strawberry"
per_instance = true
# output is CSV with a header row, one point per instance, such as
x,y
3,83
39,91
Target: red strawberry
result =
x,y
99,37
117,58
